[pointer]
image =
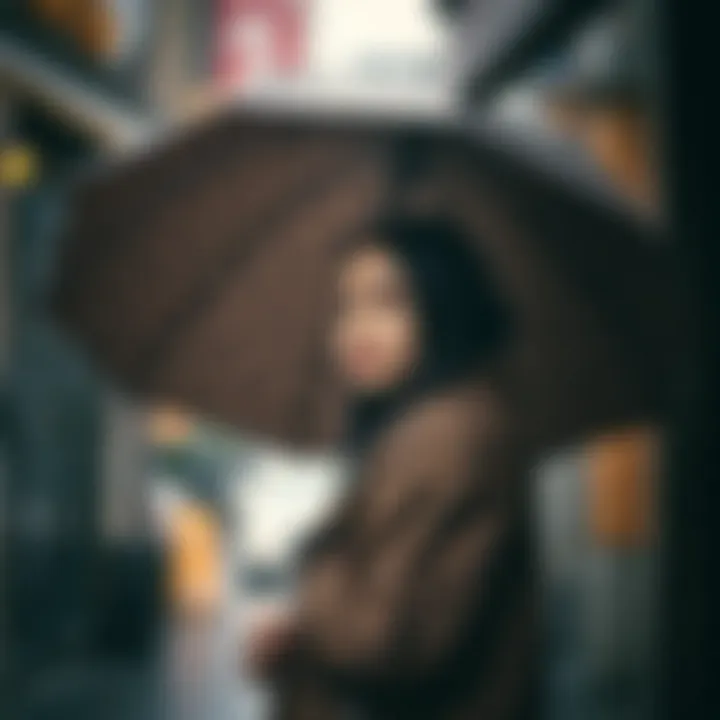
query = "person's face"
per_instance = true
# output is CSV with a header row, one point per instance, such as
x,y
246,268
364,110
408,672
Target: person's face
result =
x,y
375,339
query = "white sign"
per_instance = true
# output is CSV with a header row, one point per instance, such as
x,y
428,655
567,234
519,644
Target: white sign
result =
x,y
279,499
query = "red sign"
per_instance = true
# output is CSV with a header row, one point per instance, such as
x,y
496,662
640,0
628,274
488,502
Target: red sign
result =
x,y
256,39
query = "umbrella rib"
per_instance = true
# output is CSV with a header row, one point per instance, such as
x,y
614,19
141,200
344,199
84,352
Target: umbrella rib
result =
x,y
148,361
314,375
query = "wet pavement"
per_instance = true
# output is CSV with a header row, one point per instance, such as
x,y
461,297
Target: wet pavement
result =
x,y
195,676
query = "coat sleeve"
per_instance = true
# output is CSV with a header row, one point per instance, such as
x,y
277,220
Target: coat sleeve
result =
x,y
435,527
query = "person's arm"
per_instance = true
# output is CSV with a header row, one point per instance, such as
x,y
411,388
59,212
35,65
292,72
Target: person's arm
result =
x,y
429,541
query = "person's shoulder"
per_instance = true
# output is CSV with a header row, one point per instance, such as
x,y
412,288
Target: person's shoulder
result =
x,y
453,421
468,406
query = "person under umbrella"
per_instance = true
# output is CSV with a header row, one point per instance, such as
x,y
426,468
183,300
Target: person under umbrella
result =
x,y
204,273
416,601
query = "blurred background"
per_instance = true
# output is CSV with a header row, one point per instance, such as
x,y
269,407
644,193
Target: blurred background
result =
x,y
137,541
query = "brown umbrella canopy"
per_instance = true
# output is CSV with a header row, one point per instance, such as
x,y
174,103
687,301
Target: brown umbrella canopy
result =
x,y
202,271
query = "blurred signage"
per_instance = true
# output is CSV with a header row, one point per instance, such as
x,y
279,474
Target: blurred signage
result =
x,y
105,41
91,25
279,499
258,39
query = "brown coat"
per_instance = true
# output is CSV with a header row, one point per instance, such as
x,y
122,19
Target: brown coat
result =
x,y
422,604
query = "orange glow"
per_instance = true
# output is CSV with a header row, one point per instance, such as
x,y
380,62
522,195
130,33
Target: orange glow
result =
x,y
169,426
195,559
622,467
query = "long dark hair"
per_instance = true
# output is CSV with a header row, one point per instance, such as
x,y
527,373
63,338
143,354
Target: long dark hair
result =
x,y
464,319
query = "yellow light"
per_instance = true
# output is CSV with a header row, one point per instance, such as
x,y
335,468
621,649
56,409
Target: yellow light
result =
x,y
19,166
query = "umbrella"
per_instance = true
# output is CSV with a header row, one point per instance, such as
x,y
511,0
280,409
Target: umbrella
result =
x,y
201,271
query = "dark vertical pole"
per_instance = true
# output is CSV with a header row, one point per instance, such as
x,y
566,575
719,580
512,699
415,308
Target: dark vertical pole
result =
x,y
5,312
687,52
51,416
